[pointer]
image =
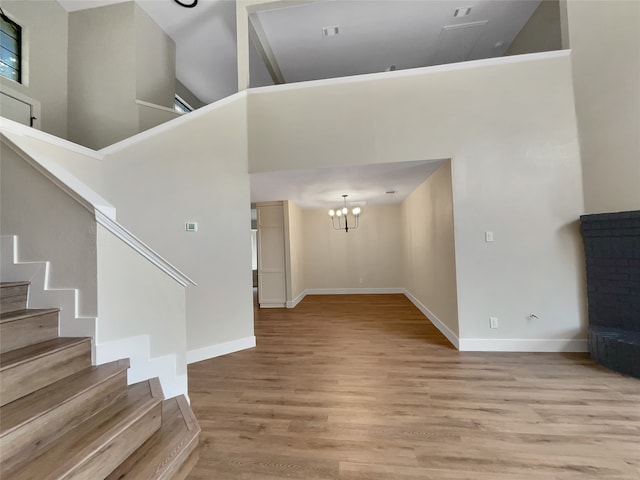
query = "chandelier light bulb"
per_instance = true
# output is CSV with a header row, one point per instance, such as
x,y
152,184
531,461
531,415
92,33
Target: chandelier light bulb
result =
x,y
343,221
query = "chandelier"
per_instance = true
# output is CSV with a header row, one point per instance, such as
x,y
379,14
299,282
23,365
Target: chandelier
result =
x,y
343,217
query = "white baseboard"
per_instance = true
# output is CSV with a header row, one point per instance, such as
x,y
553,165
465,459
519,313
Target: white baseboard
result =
x,y
522,345
446,331
352,291
297,300
500,344
219,349
143,366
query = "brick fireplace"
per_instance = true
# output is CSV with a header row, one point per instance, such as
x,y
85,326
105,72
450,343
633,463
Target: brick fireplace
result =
x,y
612,251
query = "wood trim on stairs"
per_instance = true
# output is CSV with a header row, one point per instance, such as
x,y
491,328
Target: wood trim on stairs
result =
x,y
61,418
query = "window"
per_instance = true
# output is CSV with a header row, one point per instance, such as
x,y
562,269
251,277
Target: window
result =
x,y
181,106
10,48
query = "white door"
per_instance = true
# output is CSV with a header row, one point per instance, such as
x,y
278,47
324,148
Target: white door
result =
x,y
271,266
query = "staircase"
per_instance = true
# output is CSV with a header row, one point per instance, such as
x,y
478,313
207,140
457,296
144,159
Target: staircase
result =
x,y
62,418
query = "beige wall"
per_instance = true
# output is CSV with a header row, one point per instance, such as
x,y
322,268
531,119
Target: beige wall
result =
x,y
152,116
369,257
605,44
541,33
294,250
131,287
51,226
194,170
155,66
102,79
509,127
188,96
429,247
45,31
117,55
136,298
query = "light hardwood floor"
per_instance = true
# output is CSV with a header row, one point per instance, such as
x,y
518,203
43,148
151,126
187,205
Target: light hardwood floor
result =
x,y
364,387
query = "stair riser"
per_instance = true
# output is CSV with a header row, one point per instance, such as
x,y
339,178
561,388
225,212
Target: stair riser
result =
x,y
28,377
30,439
118,449
171,453
184,463
28,331
13,298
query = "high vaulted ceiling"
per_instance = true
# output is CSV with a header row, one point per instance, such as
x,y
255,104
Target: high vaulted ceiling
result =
x,y
288,45
374,35
378,35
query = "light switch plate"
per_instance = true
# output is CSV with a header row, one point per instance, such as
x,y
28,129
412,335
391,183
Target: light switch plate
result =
x,y
191,226
488,236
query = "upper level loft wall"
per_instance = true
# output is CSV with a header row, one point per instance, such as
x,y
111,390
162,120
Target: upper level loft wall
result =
x,y
117,55
155,66
45,30
102,79
188,96
543,31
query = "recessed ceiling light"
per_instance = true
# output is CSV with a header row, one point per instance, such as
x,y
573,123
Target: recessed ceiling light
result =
x,y
462,11
330,31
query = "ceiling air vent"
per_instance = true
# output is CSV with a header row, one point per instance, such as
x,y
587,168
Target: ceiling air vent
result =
x,y
330,31
462,11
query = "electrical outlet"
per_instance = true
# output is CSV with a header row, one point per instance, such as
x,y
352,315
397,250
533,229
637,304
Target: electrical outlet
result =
x,y
493,322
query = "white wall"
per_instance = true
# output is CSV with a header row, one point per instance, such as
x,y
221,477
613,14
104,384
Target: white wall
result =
x,y
83,163
605,45
45,32
136,299
294,251
194,169
51,226
369,257
509,126
429,247
273,280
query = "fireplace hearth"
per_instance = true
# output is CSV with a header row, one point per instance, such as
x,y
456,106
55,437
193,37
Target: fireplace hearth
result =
x,y
612,252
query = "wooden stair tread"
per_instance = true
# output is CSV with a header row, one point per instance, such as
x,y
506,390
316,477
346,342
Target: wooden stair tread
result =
x,y
13,284
81,443
25,354
165,452
15,315
31,406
